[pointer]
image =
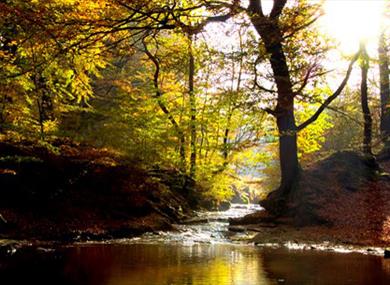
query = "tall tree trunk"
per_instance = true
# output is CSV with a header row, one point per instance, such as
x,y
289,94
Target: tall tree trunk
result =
x,y
367,138
284,111
39,89
191,74
269,31
288,150
267,26
3,105
41,119
384,91
164,108
226,147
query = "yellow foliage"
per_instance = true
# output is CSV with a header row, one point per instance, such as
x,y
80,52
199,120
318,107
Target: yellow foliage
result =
x,y
312,137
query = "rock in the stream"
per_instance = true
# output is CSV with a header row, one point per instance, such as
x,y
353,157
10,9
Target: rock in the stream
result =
x,y
237,229
8,248
254,218
387,253
224,206
196,220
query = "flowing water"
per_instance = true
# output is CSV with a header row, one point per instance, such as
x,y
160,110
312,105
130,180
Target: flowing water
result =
x,y
200,252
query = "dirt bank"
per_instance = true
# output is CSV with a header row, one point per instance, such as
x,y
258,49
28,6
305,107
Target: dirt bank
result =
x,y
70,191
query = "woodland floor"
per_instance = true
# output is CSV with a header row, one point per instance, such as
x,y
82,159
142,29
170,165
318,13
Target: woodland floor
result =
x,y
340,201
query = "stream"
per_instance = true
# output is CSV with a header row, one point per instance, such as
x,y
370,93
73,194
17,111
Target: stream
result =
x,y
200,252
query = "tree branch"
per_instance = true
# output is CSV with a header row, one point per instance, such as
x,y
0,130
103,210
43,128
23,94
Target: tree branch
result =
x,y
270,111
234,9
305,80
264,88
332,97
277,8
255,7
301,27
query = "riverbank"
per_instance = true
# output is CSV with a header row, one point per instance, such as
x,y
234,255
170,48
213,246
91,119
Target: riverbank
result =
x,y
342,200
68,191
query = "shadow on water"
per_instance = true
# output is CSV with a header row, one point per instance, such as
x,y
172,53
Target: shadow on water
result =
x,y
175,264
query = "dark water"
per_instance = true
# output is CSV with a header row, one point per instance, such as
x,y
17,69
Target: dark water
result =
x,y
197,254
149,264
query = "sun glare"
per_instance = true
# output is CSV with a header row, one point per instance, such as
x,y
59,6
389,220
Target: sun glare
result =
x,y
351,21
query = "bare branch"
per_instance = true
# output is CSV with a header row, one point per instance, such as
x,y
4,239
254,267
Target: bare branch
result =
x,y
270,111
264,88
336,110
305,80
332,97
256,83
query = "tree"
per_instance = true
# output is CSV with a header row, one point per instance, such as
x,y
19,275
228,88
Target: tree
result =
x,y
71,42
192,97
163,107
273,36
384,89
42,64
367,138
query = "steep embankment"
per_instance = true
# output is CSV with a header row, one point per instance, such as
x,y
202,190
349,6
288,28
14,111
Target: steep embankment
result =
x,y
79,192
343,198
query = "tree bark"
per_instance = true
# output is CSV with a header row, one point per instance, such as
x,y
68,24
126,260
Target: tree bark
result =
x,y
3,105
191,75
367,137
384,91
269,31
226,147
288,150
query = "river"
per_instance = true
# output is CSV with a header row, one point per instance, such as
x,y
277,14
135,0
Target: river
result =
x,y
198,253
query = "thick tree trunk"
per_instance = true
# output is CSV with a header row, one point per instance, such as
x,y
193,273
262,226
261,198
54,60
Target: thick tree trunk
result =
x,y
288,150
270,33
367,138
384,91
267,26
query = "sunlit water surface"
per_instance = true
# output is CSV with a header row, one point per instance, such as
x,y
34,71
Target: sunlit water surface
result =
x,y
197,254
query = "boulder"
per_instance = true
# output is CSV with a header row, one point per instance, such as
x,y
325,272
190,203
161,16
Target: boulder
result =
x,y
387,253
224,206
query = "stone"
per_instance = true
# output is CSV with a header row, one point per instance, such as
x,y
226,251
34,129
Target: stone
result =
x,y
237,229
387,253
224,206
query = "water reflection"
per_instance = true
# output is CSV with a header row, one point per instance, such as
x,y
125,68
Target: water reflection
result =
x,y
169,264
199,264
